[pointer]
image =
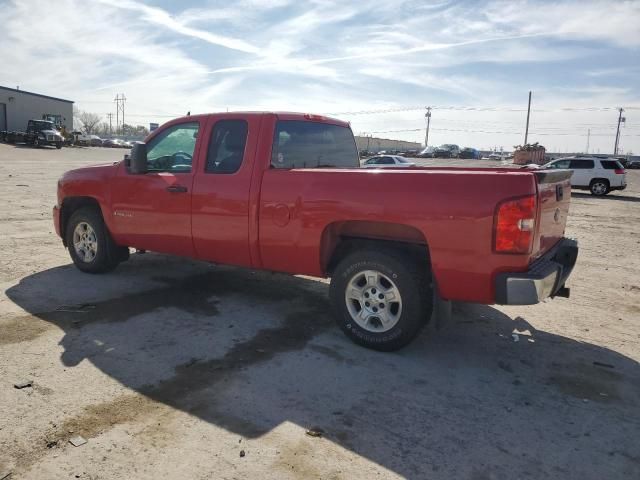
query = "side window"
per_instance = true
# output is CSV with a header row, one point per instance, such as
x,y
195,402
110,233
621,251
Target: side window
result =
x,y
302,144
387,161
372,161
172,150
611,164
560,164
226,146
581,164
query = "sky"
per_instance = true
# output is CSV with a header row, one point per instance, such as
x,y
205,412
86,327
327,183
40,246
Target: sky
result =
x,y
377,64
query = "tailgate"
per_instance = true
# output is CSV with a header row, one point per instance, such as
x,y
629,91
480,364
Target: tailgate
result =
x,y
554,195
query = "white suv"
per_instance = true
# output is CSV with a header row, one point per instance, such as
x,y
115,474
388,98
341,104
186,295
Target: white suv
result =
x,y
598,175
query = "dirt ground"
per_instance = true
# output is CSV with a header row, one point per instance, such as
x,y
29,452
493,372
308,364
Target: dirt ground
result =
x,y
175,369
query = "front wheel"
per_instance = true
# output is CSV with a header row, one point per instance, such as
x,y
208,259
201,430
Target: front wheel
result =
x,y
36,142
89,242
59,145
382,299
599,187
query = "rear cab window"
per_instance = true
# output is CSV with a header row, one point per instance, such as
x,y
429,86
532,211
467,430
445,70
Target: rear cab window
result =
x,y
306,144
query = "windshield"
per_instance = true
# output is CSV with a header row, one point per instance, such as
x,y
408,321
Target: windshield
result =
x,y
42,125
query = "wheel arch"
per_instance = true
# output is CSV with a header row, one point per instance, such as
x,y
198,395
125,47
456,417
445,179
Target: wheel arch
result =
x,y
341,238
71,205
604,179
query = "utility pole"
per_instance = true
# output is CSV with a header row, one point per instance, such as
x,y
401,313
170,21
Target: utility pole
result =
x,y
428,117
110,115
526,132
120,99
620,120
588,138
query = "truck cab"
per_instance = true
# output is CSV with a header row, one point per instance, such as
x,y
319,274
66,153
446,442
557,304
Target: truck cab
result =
x,y
43,132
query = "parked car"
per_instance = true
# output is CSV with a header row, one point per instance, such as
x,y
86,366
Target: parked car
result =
x,y
302,205
411,153
114,143
470,153
598,175
428,152
386,161
88,140
448,150
633,161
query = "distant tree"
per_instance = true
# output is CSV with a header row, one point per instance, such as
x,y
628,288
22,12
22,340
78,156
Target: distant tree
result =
x,y
137,131
89,121
103,129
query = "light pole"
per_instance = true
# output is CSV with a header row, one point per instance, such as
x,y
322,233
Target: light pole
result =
x,y
526,131
621,119
428,117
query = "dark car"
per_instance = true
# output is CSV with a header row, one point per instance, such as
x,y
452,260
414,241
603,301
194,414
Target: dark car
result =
x,y
469,152
428,152
448,150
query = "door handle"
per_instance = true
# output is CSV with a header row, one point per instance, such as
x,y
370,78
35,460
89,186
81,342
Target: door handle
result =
x,y
176,189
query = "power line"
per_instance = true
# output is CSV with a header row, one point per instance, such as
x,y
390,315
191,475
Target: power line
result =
x,y
479,109
497,132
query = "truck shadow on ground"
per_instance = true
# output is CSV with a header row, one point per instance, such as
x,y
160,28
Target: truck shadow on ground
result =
x,y
248,351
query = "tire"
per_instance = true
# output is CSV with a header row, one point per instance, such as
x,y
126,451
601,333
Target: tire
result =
x,y
36,142
58,145
97,253
399,275
599,187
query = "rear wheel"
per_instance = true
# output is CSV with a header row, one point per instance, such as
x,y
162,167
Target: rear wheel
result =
x,y
599,187
90,245
382,299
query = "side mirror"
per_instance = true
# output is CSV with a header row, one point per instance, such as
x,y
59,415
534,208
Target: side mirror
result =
x,y
138,159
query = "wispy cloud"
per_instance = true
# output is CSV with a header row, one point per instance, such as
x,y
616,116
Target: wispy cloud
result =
x,y
160,17
329,55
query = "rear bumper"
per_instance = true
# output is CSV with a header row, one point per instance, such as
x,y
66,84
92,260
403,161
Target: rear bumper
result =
x,y
546,277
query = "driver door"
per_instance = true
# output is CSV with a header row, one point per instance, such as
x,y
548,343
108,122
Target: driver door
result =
x,y
152,211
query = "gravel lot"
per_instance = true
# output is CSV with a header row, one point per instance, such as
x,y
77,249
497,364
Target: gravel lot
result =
x,y
173,369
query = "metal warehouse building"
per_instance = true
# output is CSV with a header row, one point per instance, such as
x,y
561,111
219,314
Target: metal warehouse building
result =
x,y
17,107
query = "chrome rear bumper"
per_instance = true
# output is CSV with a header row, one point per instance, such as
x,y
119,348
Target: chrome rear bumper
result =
x,y
546,277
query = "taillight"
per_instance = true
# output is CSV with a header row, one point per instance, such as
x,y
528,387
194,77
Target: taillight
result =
x,y
619,171
515,222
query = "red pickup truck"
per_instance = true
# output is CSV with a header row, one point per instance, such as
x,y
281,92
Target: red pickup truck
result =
x,y
285,192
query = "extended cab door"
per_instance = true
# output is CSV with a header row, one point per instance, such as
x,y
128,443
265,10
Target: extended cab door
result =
x,y
152,211
222,189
